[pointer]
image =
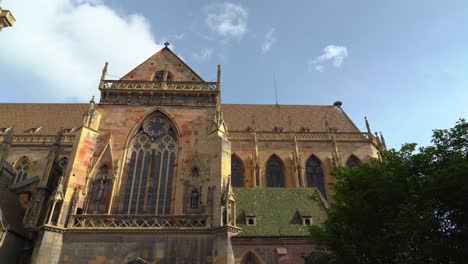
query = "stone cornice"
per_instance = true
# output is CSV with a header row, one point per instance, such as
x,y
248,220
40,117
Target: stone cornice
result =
x,y
300,136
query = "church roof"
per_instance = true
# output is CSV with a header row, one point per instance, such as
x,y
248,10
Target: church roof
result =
x,y
238,117
277,210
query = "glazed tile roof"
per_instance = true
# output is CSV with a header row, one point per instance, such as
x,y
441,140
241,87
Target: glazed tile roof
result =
x,y
289,117
277,210
51,117
238,117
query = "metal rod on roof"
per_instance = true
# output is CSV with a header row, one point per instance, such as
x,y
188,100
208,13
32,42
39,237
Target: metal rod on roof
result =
x,y
276,90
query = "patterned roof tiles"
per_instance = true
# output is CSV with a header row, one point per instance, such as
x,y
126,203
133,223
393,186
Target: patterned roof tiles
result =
x,y
238,117
277,210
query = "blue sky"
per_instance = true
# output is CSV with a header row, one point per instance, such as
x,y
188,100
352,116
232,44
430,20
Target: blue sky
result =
x,y
403,64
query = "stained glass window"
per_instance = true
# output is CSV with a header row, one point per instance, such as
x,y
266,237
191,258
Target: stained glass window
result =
x,y
21,168
275,172
148,188
314,174
237,172
353,162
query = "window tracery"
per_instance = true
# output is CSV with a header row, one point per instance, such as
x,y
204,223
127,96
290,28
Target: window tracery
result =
x,y
151,168
275,172
21,168
314,174
353,162
237,172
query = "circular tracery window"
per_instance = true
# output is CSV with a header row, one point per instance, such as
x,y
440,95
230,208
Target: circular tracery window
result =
x,y
155,127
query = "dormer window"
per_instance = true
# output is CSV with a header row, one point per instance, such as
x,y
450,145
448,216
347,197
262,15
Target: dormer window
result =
x,y
278,129
159,76
68,130
250,218
306,218
4,130
33,130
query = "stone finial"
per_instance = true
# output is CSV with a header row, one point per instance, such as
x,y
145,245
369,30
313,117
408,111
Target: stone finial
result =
x,y
382,139
327,125
104,72
5,145
59,137
218,76
92,104
368,126
378,139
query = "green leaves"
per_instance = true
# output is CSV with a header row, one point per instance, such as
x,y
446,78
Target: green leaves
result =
x,y
407,207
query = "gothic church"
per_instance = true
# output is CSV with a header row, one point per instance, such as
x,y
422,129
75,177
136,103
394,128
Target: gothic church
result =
x,y
159,171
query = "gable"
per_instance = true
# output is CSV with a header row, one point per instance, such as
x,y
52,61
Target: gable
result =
x,y
178,69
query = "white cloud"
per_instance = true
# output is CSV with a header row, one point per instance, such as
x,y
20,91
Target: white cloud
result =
x,y
227,19
268,40
66,44
331,53
202,55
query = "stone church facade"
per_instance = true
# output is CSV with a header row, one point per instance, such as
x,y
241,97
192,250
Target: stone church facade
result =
x,y
159,171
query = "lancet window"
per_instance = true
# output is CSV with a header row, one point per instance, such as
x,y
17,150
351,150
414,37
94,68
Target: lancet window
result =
x,y
353,162
237,172
314,174
21,168
275,172
100,190
153,151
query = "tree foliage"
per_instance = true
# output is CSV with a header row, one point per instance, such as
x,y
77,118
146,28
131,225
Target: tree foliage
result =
x,y
407,207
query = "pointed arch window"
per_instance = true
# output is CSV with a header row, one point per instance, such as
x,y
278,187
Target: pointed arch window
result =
x,y
148,188
314,174
21,168
275,172
353,161
237,172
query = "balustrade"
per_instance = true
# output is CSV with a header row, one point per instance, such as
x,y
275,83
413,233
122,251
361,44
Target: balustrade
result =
x,y
137,221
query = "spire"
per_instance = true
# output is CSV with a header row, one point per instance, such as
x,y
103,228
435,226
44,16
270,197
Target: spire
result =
x,y
89,115
104,72
218,120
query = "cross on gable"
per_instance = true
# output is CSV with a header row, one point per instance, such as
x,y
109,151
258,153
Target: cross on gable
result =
x,y
166,44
